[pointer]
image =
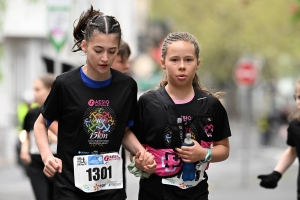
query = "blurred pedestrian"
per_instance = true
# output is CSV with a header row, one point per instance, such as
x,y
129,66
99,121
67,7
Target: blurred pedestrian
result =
x,y
291,153
121,62
94,106
42,185
179,106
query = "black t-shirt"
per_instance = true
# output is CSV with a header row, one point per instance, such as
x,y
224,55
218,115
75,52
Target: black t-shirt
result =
x,y
30,119
293,139
151,127
90,121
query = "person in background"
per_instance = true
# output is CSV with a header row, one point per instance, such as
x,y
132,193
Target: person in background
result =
x,y
121,63
270,181
94,107
166,115
42,185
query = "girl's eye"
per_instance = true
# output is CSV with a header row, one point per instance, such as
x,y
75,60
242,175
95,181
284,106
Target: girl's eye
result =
x,y
112,52
189,60
97,51
174,60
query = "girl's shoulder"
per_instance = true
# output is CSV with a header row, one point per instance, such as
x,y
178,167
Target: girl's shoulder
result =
x,y
147,96
68,77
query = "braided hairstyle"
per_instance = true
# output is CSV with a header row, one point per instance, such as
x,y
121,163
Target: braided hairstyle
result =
x,y
92,20
184,36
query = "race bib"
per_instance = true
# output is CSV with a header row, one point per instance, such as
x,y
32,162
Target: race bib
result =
x,y
93,173
177,181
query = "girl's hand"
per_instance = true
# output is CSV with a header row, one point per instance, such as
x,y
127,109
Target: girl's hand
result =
x,y
145,162
52,165
25,157
191,153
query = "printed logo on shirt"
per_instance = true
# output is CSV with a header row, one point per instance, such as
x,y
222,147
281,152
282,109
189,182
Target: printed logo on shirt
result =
x,y
83,153
98,123
209,129
98,103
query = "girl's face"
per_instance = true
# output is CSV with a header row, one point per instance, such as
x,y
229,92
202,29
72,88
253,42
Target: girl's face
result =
x,y
101,50
180,63
121,64
40,92
297,97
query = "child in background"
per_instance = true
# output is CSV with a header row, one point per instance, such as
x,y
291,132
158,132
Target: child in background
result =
x,y
291,153
121,62
180,106
42,185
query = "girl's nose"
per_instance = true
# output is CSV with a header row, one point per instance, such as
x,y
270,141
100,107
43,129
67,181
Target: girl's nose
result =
x,y
104,57
181,65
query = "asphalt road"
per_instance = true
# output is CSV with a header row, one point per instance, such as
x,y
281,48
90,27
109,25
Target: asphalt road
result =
x,y
233,179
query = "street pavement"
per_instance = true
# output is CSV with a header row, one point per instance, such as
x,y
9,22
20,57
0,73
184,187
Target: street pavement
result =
x,y
233,179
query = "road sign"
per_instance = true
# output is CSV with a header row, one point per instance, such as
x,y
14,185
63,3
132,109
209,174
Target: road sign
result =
x,y
246,73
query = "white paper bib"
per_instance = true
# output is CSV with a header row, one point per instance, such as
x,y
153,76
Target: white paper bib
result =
x,y
175,181
93,173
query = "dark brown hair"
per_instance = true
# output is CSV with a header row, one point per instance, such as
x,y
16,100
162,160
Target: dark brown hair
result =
x,y
183,36
92,20
124,50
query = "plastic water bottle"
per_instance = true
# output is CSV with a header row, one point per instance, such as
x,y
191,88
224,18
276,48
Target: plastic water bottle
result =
x,y
188,169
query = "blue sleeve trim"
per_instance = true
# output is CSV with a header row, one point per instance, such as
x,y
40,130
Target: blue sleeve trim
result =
x,y
48,122
130,123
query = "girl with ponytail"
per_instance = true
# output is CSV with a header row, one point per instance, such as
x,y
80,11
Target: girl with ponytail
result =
x,y
94,106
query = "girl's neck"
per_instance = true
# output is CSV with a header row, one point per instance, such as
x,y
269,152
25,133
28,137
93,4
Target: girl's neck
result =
x,y
94,75
180,93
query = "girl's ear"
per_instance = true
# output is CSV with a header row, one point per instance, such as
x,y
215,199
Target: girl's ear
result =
x,y
198,63
162,63
83,45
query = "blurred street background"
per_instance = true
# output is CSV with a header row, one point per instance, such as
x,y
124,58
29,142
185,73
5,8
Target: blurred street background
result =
x,y
249,49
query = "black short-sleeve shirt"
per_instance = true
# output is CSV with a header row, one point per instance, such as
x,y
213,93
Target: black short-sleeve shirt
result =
x,y
293,139
151,127
90,121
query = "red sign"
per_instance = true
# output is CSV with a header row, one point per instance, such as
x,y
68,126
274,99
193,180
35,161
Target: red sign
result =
x,y
246,73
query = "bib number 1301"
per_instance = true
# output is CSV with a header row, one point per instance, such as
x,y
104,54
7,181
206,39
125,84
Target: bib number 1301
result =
x,y
96,173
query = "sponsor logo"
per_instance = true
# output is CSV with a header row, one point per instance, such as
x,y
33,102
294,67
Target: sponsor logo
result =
x,y
111,157
83,153
93,102
95,160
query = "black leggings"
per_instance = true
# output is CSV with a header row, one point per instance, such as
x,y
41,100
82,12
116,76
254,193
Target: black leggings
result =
x,y
42,185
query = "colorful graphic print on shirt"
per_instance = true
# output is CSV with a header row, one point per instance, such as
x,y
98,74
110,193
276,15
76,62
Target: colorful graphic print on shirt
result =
x,y
99,121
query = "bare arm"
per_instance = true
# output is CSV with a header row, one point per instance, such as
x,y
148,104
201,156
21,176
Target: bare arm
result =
x,y
144,160
54,127
52,137
286,160
25,145
52,164
220,151
131,143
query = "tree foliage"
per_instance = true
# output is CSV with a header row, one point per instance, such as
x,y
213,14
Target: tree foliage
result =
x,y
230,29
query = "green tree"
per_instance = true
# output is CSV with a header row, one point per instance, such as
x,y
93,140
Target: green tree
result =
x,y
229,29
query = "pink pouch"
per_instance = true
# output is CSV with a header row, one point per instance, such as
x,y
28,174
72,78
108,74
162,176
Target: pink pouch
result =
x,y
168,163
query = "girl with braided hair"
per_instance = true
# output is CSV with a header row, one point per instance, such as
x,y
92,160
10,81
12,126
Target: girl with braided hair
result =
x,y
270,181
94,106
179,106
